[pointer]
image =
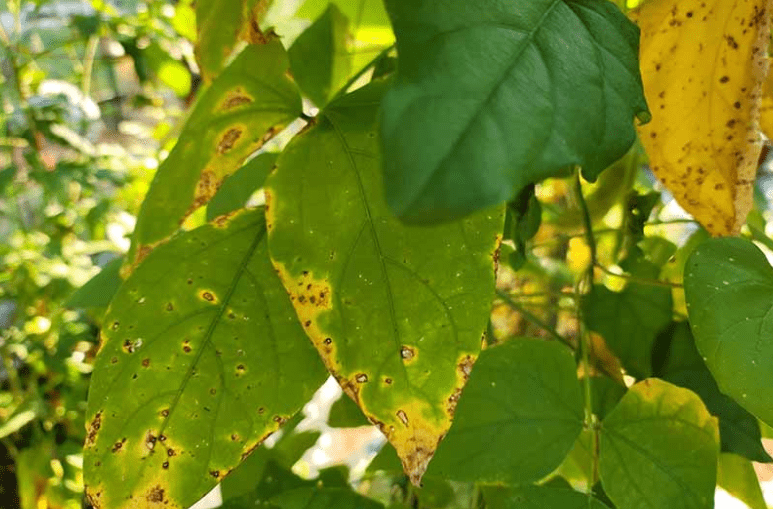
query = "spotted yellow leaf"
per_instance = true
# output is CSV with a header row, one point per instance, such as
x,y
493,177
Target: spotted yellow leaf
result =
x,y
703,64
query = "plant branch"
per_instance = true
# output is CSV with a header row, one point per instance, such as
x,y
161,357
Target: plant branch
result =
x,y
584,284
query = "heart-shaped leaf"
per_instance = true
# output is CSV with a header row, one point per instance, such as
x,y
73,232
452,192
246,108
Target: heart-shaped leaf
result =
x,y
491,96
523,398
659,448
201,359
397,312
728,286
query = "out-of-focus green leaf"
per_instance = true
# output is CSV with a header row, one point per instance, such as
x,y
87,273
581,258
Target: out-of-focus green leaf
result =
x,y
396,312
736,475
359,12
99,290
728,286
659,448
345,413
29,409
605,395
200,361
238,188
319,58
248,103
523,398
323,498
630,320
489,96
220,25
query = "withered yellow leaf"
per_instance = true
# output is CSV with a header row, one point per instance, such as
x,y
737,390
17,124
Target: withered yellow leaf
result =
x,y
766,108
703,64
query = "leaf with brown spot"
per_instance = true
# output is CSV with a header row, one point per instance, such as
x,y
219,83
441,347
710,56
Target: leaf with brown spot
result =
x,y
703,64
200,385
247,105
220,25
397,311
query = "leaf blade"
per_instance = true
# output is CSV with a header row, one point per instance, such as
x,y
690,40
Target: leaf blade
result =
x,y
398,333
469,70
196,304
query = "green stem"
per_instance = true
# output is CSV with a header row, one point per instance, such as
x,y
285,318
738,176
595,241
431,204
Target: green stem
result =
x,y
361,72
584,284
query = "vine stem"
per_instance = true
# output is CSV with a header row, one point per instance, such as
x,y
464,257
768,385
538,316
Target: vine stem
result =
x,y
585,284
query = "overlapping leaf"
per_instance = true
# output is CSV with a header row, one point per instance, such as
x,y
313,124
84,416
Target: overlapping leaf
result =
x,y
523,398
704,63
238,188
201,359
396,312
739,431
728,287
220,25
248,103
491,96
659,448
319,58
736,475
629,321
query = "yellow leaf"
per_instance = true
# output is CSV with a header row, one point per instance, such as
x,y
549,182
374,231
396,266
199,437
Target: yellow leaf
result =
x,y
766,109
703,64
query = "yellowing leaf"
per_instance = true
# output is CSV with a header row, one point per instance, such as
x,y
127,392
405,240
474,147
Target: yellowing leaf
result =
x,y
703,64
766,108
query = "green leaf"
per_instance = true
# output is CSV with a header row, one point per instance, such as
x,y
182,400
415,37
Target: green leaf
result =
x,y
523,398
238,188
319,58
524,216
629,321
490,95
385,461
220,25
361,12
736,475
659,448
200,361
739,430
246,105
540,497
396,312
324,498
605,395
346,414
728,286
273,479
99,290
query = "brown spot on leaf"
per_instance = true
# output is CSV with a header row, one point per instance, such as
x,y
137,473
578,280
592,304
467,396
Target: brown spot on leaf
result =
x,y
402,416
155,495
361,378
93,429
228,139
407,353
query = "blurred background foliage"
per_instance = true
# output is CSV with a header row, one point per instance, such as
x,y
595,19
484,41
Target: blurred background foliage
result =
x,y
93,94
